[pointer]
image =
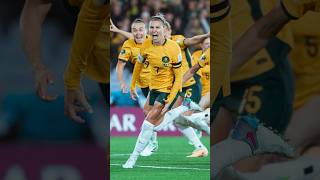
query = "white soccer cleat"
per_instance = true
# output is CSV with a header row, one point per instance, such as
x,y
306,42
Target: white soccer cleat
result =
x,y
261,139
270,142
130,163
150,149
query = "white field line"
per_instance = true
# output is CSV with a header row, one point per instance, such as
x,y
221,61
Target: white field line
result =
x,y
164,167
116,155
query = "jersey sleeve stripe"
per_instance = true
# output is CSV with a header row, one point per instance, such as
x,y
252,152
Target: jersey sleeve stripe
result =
x,y
287,12
200,65
123,60
176,65
220,6
219,11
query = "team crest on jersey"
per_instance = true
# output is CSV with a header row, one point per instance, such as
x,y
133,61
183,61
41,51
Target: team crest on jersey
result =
x,y
123,51
165,61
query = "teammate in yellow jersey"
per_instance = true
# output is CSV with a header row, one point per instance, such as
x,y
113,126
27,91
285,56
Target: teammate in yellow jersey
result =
x,y
205,71
199,120
203,61
129,52
89,52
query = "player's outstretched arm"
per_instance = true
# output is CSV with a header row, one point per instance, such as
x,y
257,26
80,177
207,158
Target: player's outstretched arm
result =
x,y
177,84
119,70
176,87
136,71
195,39
190,73
32,17
115,29
257,36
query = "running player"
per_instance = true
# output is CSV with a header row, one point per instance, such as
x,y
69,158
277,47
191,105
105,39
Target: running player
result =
x,y
166,81
129,51
191,89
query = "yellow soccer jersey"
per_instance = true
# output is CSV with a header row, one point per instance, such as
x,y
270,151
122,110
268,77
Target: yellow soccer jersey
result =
x,y
305,57
204,59
186,58
222,47
129,52
203,72
205,80
165,65
195,59
89,50
297,8
243,15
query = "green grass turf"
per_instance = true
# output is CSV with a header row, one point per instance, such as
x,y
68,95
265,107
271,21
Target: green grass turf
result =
x,y
172,152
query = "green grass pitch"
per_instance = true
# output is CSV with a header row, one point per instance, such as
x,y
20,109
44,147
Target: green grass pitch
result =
x,y
169,162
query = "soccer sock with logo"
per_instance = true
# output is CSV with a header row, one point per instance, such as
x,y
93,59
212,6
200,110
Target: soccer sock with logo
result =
x,y
154,137
143,138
